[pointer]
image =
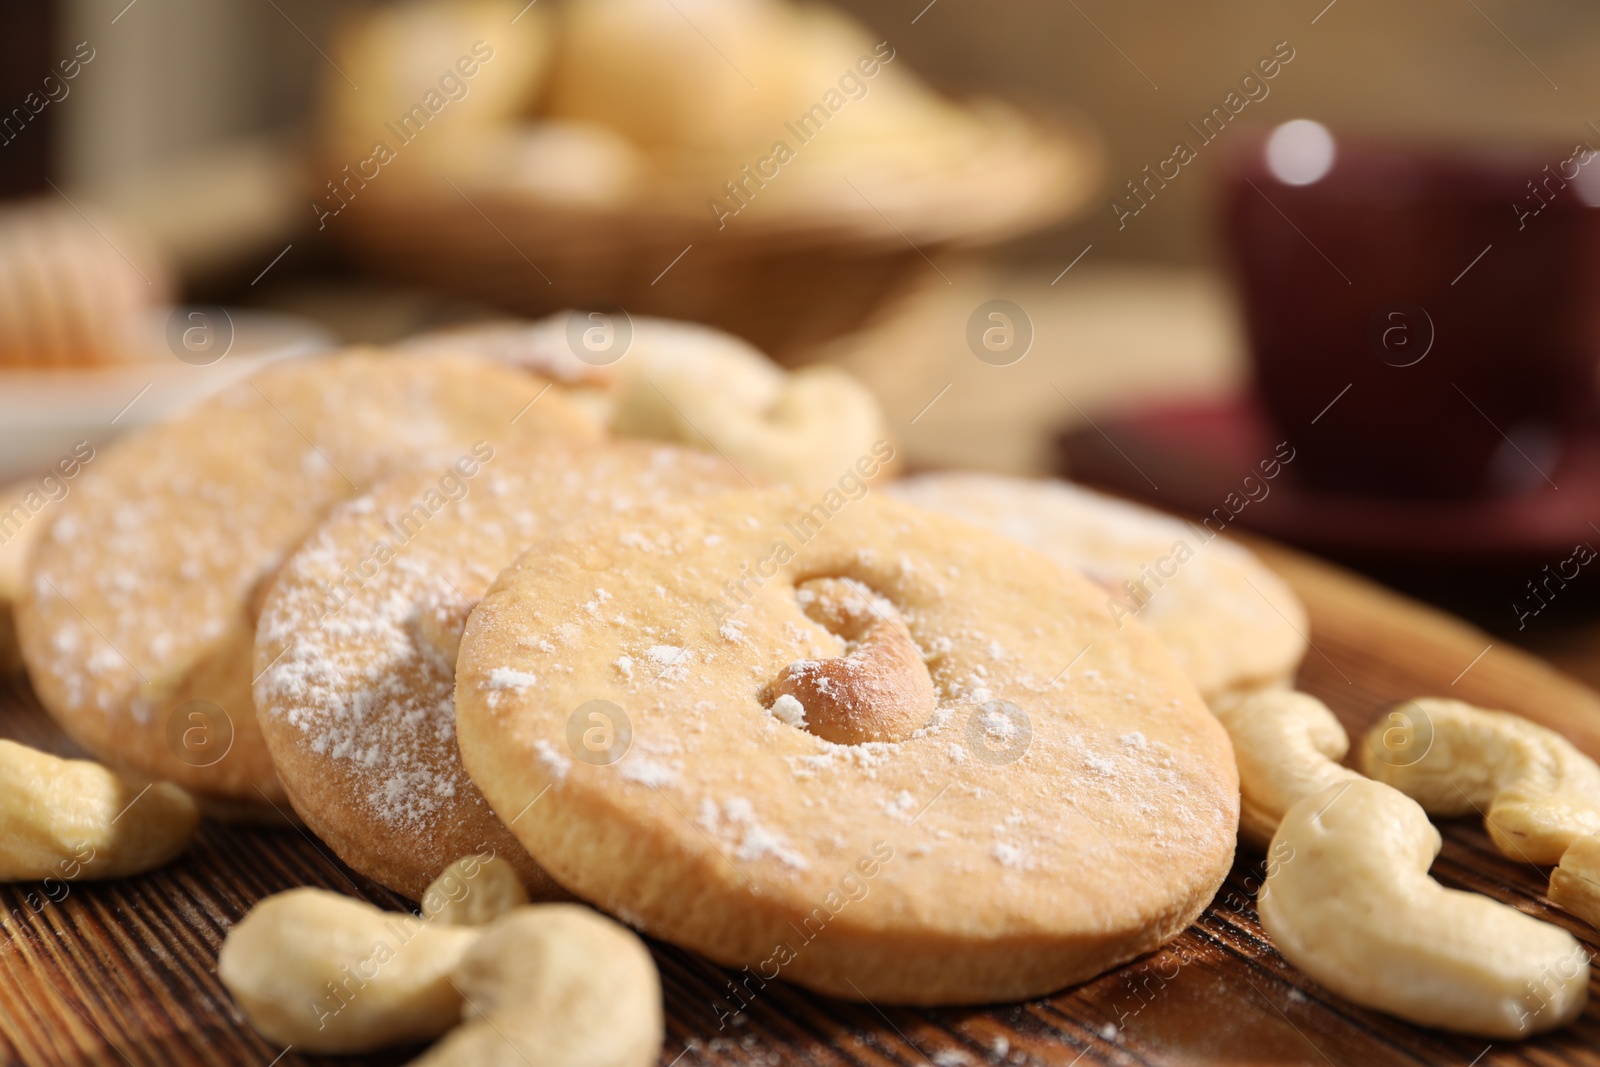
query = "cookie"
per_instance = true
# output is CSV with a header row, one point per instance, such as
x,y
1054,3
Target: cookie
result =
x,y
137,622
356,644
676,381
1231,623
1031,796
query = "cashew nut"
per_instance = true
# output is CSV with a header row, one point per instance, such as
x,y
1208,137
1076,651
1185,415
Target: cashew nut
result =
x,y
326,973
331,974
1288,745
702,387
558,984
1352,905
1538,794
474,891
1575,883
72,819
879,690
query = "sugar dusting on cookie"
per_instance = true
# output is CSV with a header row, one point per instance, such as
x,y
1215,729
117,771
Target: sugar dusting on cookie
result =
x,y
737,824
365,688
1104,772
508,678
190,519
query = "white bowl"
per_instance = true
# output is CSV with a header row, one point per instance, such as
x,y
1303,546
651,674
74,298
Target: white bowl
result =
x,y
44,412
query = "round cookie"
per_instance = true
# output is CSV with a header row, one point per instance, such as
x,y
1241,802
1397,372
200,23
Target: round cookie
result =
x,y
356,674
137,622
663,380
1021,821
1230,622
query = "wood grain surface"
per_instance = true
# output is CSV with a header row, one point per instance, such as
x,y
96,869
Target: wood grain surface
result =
x,y
125,972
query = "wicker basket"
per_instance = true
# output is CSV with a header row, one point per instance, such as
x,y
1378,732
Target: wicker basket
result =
x,y
787,273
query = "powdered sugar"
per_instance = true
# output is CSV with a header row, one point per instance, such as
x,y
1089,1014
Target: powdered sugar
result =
x,y
750,840
366,686
671,663
552,760
789,710
1009,855
647,772
507,678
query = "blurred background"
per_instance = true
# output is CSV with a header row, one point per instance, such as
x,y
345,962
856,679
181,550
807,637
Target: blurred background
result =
x,y
1054,238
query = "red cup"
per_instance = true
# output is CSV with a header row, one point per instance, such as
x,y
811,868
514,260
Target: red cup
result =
x,y
1424,321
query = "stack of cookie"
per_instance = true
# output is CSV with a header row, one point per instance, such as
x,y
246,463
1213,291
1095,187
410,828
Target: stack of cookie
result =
x,y
655,632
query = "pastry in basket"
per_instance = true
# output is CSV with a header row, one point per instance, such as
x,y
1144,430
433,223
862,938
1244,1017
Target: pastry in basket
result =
x,y
1230,622
803,76
730,161
676,381
137,621
847,743
427,73
72,292
801,98
355,675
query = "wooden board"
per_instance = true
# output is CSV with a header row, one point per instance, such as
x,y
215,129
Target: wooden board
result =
x,y
125,972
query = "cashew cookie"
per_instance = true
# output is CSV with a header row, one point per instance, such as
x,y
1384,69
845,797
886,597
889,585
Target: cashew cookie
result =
x,y
1032,797
1231,623
356,644
138,618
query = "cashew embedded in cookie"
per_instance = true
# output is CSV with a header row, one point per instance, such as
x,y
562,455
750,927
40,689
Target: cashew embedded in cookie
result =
x,y
1288,746
879,690
556,983
1538,794
1352,905
72,819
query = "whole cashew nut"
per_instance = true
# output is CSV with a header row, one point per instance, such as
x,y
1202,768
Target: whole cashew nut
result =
x,y
879,690
1354,908
547,983
474,891
1288,745
1538,794
74,819
1575,883
326,973
558,984
701,387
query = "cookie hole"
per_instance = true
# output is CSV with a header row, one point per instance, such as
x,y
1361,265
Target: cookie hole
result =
x,y
878,690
